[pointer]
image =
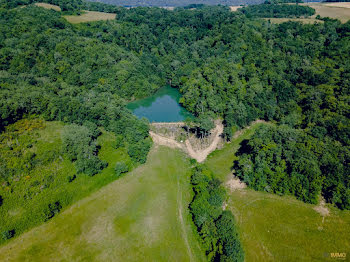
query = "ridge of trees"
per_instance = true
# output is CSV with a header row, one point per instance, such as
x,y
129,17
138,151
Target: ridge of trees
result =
x,y
276,10
217,228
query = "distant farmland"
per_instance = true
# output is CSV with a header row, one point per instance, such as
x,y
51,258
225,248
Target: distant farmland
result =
x,y
89,16
339,11
176,3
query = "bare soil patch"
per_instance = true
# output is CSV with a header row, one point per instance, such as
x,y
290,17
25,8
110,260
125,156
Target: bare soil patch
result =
x,y
167,134
234,8
235,184
164,141
322,209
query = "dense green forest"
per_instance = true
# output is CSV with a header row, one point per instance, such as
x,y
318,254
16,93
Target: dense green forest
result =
x,y
226,64
216,227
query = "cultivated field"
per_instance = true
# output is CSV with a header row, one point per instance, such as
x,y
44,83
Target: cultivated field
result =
x,y
339,11
89,16
48,6
339,4
141,217
275,228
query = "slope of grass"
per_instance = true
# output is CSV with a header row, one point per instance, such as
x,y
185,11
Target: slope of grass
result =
x,y
29,191
275,228
221,161
142,216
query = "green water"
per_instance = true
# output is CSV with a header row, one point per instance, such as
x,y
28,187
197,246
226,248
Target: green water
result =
x,y
163,106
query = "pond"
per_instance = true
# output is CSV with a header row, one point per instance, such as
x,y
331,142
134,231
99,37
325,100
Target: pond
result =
x,y
163,106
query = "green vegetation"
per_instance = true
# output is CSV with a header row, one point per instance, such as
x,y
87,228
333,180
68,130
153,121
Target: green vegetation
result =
x,y
38,179
220,161
140,217
284,160
227,66
271,10
217,229
276,228
286,229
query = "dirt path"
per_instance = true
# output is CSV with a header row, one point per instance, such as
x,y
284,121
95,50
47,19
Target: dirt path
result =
x,y
183,228
164,141
201,155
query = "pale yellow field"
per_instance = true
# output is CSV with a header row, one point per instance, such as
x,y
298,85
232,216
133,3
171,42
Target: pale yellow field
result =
x,y
339,11
339,4
234,8
48,6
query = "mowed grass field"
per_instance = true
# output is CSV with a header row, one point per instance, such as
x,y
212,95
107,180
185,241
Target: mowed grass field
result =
x,y
142,216
89,16
275,228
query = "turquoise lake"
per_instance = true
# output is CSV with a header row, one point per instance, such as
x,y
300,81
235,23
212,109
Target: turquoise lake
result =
x,y
163,106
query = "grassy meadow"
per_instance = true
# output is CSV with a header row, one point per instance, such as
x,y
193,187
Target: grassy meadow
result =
x,y
142,216
275,228
33,149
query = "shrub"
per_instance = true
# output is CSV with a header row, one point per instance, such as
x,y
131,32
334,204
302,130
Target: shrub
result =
x,y
121,168
8,234
52,210
71,178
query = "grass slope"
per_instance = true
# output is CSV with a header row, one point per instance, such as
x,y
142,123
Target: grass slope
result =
x,y
275,228
30,192
141,217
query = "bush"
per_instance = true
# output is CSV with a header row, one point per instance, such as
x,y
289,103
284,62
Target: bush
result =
x,y
1,201
121,168
8,234
52,210
220,239
71,178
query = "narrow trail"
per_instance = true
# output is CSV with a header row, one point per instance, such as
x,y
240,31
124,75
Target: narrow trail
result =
x,y
183,228
164,141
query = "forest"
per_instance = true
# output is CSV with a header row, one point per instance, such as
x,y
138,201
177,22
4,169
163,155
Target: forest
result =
x,y
228,65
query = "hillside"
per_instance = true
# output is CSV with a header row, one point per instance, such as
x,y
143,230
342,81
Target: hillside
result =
x,y
176,3
140,217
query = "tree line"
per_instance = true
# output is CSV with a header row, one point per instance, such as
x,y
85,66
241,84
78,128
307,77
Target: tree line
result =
x,y
217,228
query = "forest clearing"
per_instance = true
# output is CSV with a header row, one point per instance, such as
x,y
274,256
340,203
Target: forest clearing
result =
x,y
89,16
49,6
